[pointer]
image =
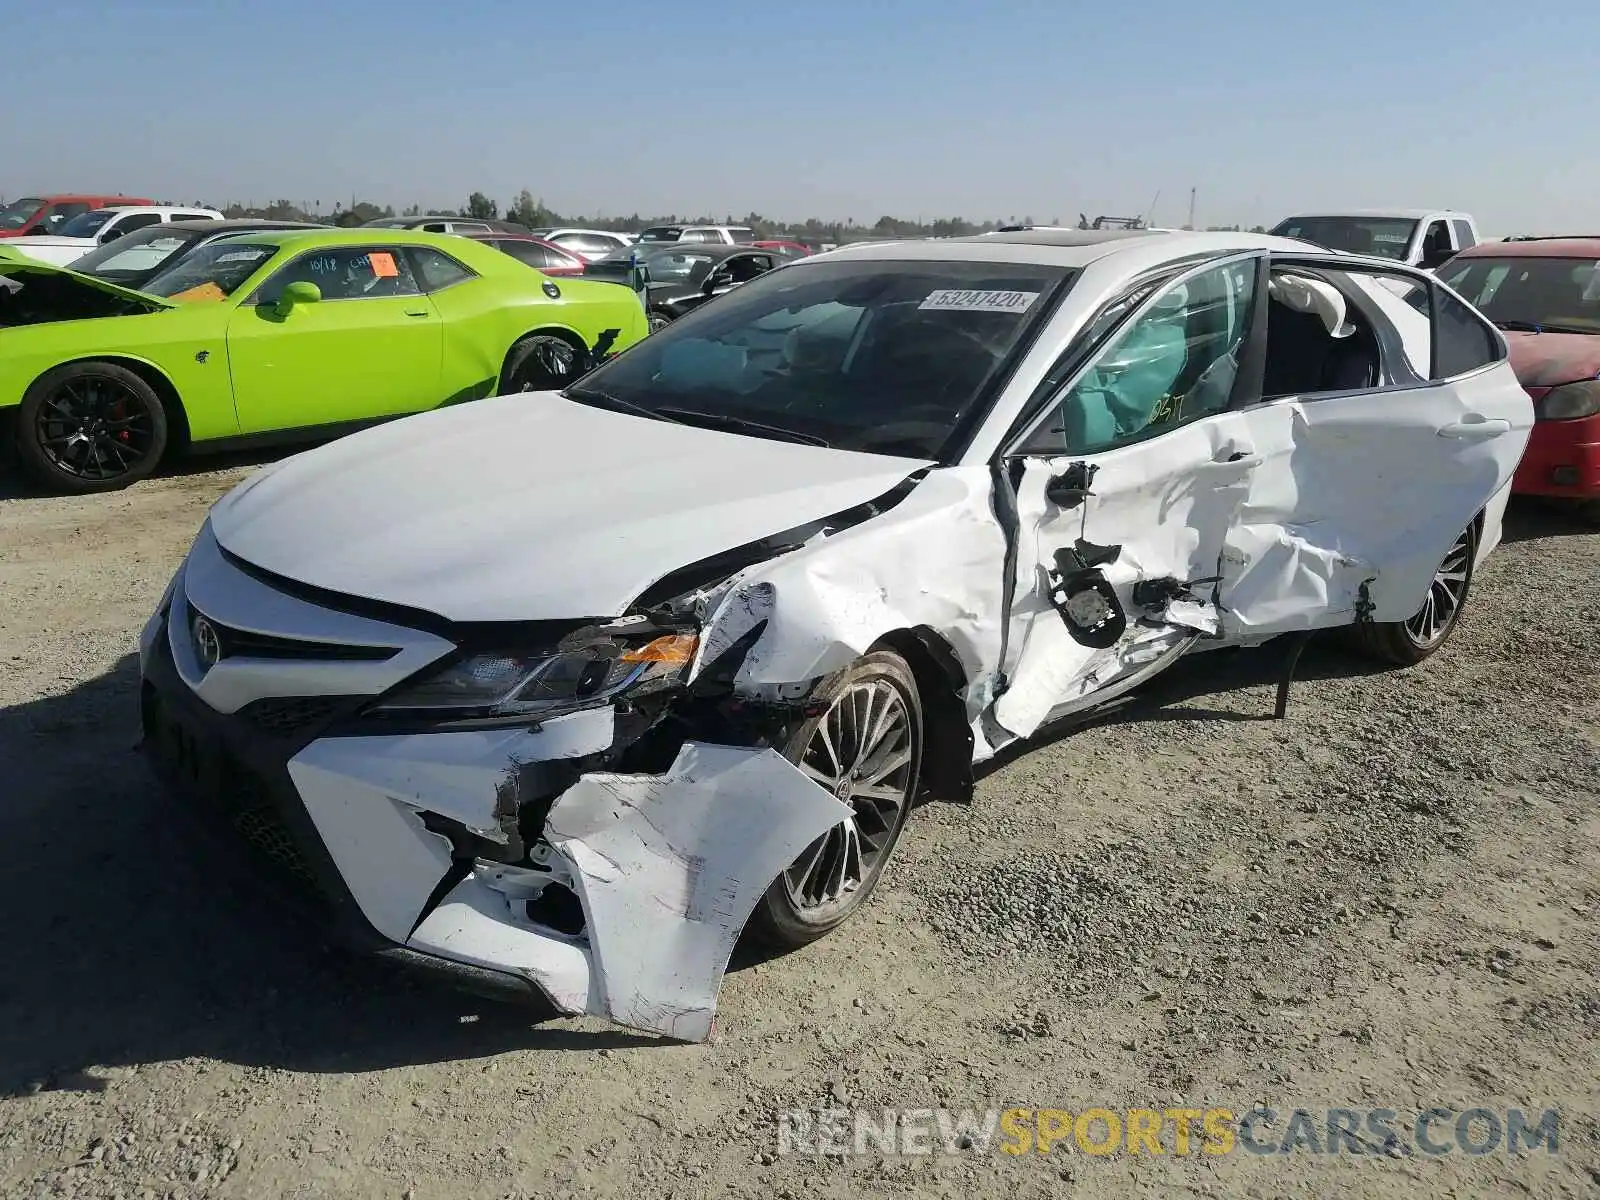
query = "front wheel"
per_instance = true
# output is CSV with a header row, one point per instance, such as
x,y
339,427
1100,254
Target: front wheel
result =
x,y
865,748
658,320
1409,642
90,427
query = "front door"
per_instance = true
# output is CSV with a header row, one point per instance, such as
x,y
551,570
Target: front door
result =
x,y
1125,490
370,347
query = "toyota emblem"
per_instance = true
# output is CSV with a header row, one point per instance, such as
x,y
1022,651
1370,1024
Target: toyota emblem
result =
x,y
207,645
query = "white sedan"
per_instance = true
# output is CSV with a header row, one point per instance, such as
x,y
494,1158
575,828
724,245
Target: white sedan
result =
x,y
562,692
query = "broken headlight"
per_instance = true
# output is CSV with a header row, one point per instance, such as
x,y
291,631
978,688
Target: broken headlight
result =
x,y
1569,402
545,684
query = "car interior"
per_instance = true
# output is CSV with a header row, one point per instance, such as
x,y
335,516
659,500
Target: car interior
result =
x,y
1316,340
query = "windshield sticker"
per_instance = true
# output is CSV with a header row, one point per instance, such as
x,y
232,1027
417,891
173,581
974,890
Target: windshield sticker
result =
x,y
383,265
204,291
956,300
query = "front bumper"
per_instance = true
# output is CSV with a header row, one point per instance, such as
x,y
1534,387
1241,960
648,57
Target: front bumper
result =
x,y
1562,459
664,869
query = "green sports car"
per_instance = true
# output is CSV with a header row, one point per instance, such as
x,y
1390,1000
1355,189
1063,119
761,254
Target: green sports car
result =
x,y
283,335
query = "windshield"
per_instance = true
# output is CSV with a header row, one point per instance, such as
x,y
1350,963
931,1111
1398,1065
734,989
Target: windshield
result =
x,y
212,272
1561,294
884,357
1385,237
19,212
137,255
86,225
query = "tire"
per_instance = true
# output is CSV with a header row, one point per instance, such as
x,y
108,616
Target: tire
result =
x,y
1589,510
1406,643
543,362
833,877
90,427
658,320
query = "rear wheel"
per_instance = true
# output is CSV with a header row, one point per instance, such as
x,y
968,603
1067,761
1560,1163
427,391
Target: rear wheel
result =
x,y
1409,642
865,748
658,320
541,363
90,427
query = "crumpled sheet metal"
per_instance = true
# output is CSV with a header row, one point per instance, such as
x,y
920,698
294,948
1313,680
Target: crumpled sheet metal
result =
x,y
937,563
669,869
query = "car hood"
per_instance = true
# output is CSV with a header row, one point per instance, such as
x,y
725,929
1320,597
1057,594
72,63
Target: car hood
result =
x,y
530,507
16,264
1543,360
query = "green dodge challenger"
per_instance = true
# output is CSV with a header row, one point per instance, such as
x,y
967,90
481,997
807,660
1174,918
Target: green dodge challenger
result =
x,y
283,335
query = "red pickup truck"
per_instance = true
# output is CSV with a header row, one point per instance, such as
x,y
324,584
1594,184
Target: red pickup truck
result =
x,y
45,214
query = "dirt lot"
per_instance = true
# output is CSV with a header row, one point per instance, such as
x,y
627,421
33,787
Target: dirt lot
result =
x,y
1386,901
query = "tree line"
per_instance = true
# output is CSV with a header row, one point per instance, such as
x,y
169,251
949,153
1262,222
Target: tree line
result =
x,y
533,213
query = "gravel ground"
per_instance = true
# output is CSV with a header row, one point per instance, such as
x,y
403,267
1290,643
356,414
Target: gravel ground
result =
x,y
1385,901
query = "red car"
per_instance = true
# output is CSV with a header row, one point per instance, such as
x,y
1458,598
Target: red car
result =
x,y
787,249
536,252
1544,294
46,214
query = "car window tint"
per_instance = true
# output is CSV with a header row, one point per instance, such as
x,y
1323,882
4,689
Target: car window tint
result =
x,y
744,267
138,221
533,254
346,273
1462,340
1173,363
436,269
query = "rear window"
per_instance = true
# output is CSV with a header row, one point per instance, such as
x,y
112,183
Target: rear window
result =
x,y
741,235
883,357
661,233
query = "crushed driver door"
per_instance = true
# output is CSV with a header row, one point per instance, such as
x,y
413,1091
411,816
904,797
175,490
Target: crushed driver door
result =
x,y
1124,491
1364,489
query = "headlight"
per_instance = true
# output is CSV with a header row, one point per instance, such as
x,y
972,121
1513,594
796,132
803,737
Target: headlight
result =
x,y
547,684
1569,402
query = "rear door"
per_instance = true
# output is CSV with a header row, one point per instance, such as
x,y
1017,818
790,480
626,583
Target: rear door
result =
x,y
1124,490
1368,476
370,347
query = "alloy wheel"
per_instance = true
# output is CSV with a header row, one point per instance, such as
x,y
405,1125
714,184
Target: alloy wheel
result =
x,y
862,751
1445,594
95,429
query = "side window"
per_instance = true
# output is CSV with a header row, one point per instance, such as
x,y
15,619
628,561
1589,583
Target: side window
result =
x,y
1436,244
1462,340
436,227
1173,363
469,227
535,255
59,215
436,269
1463,232
138,221
744,267
346,273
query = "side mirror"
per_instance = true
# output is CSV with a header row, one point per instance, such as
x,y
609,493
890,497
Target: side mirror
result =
x,y
112,234
718,279
299,292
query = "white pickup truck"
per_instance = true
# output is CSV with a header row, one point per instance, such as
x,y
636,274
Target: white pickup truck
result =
x,y
1418,237
90,230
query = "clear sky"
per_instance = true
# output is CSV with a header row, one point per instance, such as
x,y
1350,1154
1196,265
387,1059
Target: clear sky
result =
x,y
833,108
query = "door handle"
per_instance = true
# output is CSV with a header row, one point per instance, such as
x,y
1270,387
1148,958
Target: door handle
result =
x,y
418,312
1475,428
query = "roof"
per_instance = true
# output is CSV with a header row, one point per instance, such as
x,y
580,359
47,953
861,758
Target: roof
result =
x,y
1577,246
1069,247
359,235
1408,214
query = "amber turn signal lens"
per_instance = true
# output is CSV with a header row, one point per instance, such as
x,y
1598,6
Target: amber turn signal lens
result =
x,y
673,649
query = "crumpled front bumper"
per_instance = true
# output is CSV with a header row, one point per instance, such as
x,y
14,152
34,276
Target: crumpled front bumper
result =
x,y
667,867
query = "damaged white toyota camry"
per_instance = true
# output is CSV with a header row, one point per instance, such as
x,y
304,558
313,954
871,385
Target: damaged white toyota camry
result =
x,y
560,692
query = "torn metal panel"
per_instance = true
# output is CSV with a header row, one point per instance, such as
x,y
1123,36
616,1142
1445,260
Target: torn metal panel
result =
x,y
1165,507
669,869
936,562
